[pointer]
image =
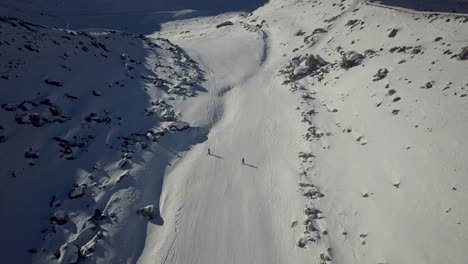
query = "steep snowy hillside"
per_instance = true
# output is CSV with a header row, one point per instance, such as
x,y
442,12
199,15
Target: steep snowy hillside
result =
x,y
305,131
142,16
83,114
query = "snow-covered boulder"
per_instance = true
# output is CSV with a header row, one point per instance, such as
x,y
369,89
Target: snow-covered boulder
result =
x,y
351,59
147,211
90,247
68,254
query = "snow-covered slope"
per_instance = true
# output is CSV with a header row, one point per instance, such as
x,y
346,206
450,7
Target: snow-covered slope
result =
x,y
350,115
89,121
141,16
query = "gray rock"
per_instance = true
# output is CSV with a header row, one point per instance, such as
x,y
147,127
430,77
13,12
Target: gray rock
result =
x,y
463,55
429,85
351,59
302,243
314,62
393,33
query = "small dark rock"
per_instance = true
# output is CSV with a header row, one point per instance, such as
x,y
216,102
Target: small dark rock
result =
x,y
429,85
37,120
53,83
381,74
393,33
30,154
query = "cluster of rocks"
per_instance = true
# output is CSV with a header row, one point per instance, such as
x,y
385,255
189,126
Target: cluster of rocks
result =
x,y
407,49
381,74
87,241
302,66
70,149
36,114
313,223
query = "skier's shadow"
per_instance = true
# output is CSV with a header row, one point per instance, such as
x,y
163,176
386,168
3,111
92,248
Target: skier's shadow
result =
x,y
250,165
216,156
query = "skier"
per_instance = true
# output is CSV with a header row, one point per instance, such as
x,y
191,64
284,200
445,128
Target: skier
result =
x,y
243,161
209,152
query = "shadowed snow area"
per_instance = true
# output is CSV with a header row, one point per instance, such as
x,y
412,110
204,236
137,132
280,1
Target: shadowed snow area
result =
x,y
451,6
141,16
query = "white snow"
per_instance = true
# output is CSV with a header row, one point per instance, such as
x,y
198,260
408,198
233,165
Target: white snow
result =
x,y
128,148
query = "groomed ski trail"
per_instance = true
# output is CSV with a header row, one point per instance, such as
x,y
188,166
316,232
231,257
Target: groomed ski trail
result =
x,y
229,212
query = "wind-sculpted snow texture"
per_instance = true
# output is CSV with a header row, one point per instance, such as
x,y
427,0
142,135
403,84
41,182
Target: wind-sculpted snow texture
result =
x,y
304,131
